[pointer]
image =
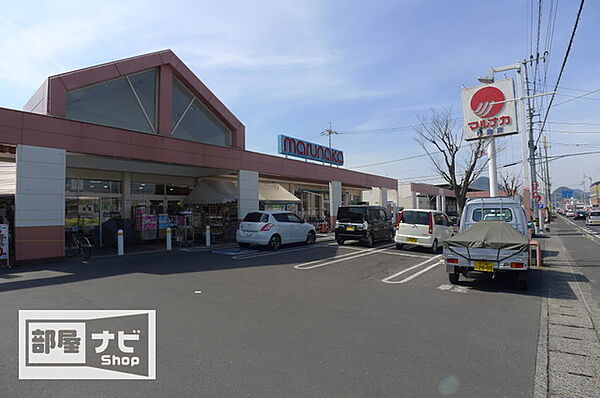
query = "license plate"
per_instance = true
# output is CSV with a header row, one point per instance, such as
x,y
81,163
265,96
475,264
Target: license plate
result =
x,y
411,240
485,266
349,228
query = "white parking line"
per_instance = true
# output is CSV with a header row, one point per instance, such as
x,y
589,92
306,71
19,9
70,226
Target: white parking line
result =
x,y
389,278
272,253
394,252
337,259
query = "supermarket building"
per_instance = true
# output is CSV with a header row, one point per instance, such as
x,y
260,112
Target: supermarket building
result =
x,y
133,141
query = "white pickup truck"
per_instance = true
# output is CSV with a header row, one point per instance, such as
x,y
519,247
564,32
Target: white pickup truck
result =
x,y
493,237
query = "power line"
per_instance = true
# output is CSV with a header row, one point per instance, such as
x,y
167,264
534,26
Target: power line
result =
x,y
387,162
574,132
562,68
576,123
580,96
388,129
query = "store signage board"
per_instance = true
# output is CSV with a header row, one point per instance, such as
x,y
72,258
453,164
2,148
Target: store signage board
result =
x,y
309,150
489,110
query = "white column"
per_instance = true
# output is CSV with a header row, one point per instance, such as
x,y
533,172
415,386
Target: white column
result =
x,y
247,192
415,200
335,200
491,150
40,194
443,198
383,197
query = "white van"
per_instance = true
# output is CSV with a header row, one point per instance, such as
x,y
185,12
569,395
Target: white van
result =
x,y
593,217
494,209
423,227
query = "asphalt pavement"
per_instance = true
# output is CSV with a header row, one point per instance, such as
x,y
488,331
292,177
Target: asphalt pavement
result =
x,y
305,321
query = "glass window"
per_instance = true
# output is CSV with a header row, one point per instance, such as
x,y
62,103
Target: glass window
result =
x,y
281,217
178,190
493,214
101,186
256,217
440,219
144,85
382,214
415,217
294,218
147,188
181,99
114,103
72,185
196,122
352,214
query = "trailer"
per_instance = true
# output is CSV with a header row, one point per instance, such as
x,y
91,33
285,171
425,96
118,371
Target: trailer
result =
x,y
488,248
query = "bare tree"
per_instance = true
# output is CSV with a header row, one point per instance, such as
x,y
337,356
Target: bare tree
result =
x,y
460,162
511,184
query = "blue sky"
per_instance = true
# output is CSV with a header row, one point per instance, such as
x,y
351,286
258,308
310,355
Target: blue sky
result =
x,y
291,67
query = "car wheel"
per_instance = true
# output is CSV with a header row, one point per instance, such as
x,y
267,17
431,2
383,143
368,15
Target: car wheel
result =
x,y
311,237
434,246
244,245
370,240
275,242
453,278
399,246
340,242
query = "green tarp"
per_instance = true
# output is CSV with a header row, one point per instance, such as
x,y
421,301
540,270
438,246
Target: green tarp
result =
x,y
490,235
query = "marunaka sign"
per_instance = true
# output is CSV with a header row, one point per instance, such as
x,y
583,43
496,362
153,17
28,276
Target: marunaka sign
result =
x,y
309,150
489,110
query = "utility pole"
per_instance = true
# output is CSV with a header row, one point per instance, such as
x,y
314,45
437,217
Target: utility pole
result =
x,y
549,204
532,148
329,132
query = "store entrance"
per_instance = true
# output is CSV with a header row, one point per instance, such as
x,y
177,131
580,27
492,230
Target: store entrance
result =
x,y
98,217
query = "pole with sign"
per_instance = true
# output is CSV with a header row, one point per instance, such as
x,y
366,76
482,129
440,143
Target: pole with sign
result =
x,y
489,111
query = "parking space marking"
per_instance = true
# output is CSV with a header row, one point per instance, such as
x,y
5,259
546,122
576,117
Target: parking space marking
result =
x,y
272,253
337,259
389,251
389,278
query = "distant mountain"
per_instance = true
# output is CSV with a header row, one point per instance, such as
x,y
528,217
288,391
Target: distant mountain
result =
x,y
557,194
482,183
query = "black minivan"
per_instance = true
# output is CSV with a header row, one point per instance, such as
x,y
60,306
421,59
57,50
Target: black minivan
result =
x,y
367,224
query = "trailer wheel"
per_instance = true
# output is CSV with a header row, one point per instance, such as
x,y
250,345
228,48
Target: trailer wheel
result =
x,y
453,278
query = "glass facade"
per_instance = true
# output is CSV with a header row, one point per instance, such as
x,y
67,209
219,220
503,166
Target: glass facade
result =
x,y
87,185
193,121
128,102
147,188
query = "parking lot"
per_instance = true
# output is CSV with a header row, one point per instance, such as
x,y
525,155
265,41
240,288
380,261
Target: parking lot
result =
x,y
320,320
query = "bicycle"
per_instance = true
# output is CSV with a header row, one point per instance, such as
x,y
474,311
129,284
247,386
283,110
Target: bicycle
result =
x,y
77,243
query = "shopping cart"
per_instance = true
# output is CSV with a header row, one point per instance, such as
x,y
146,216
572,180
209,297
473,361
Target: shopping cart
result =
x,y
183,235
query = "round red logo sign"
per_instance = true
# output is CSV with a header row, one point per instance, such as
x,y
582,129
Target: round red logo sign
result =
x,y
484,102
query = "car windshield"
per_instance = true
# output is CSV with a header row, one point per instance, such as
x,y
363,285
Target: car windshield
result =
x,y
415,217
351,214
595,214
495,214
256,217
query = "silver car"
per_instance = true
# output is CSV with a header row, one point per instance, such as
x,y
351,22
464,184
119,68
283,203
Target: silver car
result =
x,y
273,229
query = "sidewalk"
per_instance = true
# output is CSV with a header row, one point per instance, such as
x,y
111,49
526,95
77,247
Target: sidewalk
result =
x,y
103,252
568,358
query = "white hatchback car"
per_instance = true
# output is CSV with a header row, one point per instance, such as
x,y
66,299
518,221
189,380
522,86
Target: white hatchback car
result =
x,y
422,227
593,218
273,229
